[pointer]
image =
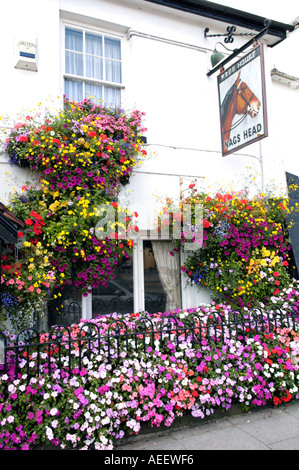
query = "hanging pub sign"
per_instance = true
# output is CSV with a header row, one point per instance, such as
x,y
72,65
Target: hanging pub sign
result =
x,y
242,101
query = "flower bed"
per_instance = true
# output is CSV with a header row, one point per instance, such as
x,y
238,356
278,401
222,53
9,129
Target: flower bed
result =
x,y
93,405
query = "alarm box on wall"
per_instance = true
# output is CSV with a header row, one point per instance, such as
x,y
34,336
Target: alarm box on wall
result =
x,y
26,55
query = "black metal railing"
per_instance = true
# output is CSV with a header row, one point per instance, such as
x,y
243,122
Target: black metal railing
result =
x,y
64,347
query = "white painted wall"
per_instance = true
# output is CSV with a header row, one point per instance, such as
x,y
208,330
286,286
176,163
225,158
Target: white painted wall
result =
x,y
284,103
165,76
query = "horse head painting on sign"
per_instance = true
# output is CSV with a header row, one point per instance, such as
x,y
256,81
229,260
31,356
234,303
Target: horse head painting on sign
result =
x,y
238,100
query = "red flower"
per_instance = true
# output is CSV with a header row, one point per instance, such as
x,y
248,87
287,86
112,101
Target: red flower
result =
x,y
276,401
37,229
36,216
6,267
220,197
28,222
206,223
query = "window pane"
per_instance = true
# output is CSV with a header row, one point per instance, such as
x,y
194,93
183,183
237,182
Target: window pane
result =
x,y
113,71
71,299
73,40
112,48
94,67
93,44
155,294
96,58
74,63
112,96
73,90
94,92
118,296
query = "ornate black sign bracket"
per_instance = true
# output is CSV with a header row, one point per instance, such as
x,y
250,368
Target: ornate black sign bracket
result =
x,y
254,39
229,36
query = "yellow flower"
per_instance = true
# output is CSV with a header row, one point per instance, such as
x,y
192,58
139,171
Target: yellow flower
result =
x,y
275,260
266,253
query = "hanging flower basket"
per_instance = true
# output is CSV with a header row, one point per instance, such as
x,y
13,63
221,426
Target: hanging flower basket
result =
x,y
84,155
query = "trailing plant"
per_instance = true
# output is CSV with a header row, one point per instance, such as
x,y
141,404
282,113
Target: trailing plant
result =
x,y
243,256
84,155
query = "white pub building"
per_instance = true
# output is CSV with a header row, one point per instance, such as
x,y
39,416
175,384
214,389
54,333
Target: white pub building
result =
x,y
161,58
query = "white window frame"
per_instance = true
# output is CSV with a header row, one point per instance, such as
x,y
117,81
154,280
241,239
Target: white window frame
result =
x,y
93,81
138,277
